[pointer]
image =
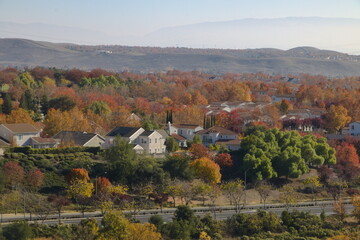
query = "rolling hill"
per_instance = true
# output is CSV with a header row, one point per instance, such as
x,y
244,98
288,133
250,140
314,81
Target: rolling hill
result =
x,y
28,53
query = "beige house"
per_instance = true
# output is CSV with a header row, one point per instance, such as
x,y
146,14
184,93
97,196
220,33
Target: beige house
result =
x,y
18,134
185,130
78,138
130,134
152,142
214,134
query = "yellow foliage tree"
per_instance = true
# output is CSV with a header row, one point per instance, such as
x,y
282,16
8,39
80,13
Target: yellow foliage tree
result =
x,y
19,116
206,169
336,118
80,188
138,231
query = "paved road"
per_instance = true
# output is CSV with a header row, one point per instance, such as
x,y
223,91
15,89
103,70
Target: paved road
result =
x,y
221,213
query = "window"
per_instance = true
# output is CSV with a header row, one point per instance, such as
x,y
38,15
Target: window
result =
x,y
150,140
189,132
20,137
155,140
352,127
181,131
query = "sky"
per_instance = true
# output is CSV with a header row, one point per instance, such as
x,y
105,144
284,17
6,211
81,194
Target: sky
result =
x,y
139,17
136,18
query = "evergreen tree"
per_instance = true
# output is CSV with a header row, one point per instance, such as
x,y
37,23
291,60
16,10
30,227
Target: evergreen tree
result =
x,y
7,104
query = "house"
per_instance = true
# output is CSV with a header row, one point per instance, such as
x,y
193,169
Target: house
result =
x,y
354,128
152,142
149,142
212,135
3,146
39,142
180,140
130,134
232,145
279,98
185,130
18,134
78,138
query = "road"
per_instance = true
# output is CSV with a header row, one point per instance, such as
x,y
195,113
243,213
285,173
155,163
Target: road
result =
x,y
221,213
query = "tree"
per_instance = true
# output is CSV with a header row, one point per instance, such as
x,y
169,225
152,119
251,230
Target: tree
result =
x,y
336,118
100,108
138,231
206,169
123,160
264,190
18,231
35,179
19,116
346,154
63,103
7,104
58,202
173,190
113,226
14,174
199,151
234,191
287,196
178,166
224,160
171,144
27,101
313,183
202,189
340,211
356,204
78,174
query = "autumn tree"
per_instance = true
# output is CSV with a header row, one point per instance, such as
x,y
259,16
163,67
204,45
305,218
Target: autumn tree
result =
x,y
199,151
58,202
287,196
313,183
19,116
35,179
336,118
224,160
139,231
206,170
14,174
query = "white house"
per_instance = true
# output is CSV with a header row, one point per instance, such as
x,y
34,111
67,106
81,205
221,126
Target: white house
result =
x,y
18,134
185,130
212,135
354,128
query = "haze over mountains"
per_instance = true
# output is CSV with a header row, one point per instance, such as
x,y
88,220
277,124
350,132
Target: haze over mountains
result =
x,y
339,34
28,53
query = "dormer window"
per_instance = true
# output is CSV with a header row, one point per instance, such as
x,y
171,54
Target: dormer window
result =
x,y
20,137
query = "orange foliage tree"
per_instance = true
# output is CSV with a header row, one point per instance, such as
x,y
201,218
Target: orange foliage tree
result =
x,y
19,116
206,169
78,174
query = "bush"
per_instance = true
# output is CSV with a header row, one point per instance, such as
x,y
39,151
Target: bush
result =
x,y
18,231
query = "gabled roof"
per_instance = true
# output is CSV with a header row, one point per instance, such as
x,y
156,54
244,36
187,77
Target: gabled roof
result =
x,y
147,133
79,138
216,129
187,126
4,143
21,128
178,137
163,133
41,140
123,131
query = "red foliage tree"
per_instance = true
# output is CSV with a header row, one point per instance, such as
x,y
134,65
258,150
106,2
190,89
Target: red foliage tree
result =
x,y
199,151
14,174
346,155
224,160
35,179
102,184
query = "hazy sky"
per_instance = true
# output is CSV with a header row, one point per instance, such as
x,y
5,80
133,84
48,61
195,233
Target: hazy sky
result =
x,y
139,17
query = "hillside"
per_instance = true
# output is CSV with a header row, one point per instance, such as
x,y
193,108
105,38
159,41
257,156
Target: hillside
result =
x,y
28,53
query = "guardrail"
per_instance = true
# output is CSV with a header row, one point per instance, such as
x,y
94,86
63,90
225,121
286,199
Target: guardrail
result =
x,y
171,211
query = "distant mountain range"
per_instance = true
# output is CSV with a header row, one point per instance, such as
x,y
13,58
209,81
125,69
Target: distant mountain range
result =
x,y
339,34
28,53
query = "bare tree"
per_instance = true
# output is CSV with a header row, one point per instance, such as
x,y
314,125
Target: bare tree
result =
x,y
234,191
264,189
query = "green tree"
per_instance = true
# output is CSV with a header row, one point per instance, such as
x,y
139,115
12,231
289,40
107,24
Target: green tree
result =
x,y
113,226
234,191
122,160
18,231
64,103
178,166
7,104
99,107
27,101
171,144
